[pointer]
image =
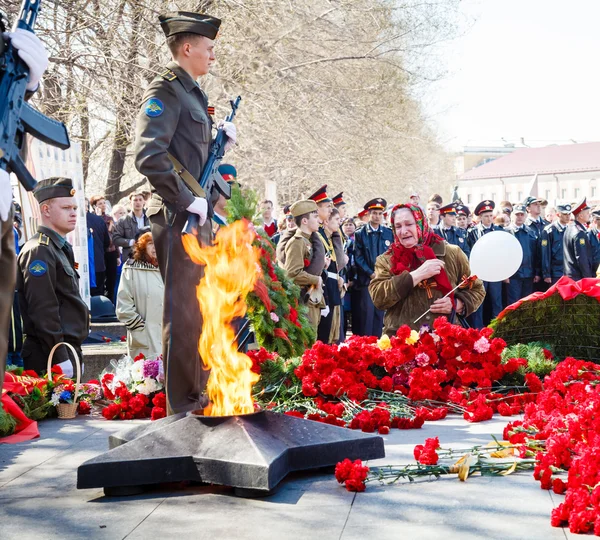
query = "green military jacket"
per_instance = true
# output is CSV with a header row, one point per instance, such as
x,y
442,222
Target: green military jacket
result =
x,y
173,120
48,289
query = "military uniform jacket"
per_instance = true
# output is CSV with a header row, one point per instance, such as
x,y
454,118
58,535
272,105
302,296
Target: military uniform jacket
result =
x,y
537,225
551,243
530,265
299,256
454,236
48,288
594,236
368,245
475,233
174,119
577,252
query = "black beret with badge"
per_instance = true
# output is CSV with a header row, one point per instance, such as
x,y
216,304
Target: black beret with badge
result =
x,y
51,188
187,22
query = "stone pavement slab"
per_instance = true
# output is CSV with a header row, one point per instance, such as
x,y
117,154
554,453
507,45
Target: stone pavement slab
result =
x,y
39,499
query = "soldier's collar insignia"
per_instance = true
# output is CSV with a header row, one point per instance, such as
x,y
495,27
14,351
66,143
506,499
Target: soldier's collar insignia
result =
x,y
154,107
38,268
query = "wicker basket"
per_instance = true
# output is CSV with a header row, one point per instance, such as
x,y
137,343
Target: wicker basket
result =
x,y
67,411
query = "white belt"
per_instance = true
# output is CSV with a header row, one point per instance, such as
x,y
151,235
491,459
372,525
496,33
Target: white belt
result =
x,y
332,275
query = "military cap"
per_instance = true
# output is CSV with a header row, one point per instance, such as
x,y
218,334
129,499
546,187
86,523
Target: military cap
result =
x,y
286,210
376,204
563,208
54,187
448,210
338,200
519,209
530,200
180,22
579,206
299,208
320,195
463,210
484,206
228,172
362,213
596,213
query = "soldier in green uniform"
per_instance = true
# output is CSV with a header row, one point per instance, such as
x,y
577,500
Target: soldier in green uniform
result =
x,y
48,283
305,263
173,136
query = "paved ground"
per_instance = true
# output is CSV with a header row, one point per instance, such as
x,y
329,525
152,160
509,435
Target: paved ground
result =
x,y
38,498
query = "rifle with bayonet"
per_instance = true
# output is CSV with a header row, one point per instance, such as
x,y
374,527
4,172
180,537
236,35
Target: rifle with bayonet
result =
x,y
18,118
211,181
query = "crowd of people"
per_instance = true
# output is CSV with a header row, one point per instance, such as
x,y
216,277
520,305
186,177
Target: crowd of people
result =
x,y
556,241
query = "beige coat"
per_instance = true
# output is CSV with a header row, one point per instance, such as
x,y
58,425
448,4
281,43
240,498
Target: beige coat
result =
x,y
140,306
403,302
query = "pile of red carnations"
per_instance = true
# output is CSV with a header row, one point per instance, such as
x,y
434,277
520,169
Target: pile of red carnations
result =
x,y
444,365
127,405
562,428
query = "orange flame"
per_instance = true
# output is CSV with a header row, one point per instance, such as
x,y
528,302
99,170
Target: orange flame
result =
x,y
231,268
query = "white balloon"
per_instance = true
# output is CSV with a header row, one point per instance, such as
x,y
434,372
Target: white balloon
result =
x,y
496,256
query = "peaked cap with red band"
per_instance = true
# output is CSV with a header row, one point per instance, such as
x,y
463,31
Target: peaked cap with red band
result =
x,y
320,195
338,200
580,206
376,204
484,206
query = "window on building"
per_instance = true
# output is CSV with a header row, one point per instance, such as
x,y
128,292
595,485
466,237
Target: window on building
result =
x,y
469,198
547,195
508,196
493,197
576,193
563,194
520,196
481,197
593,191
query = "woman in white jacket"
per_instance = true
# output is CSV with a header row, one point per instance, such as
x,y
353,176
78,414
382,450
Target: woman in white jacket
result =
x,y
140,300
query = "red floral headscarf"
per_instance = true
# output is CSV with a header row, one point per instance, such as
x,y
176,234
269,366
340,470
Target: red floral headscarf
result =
x,y
409,259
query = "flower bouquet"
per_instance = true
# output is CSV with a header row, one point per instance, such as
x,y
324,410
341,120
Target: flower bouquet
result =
x,y
133,388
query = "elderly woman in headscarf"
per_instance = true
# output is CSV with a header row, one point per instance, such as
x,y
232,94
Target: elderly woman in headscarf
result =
x,y
417,271
140,299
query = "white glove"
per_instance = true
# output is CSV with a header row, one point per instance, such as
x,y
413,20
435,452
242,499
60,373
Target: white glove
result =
x,y
5,195
325,311
32,52
199,207
231,132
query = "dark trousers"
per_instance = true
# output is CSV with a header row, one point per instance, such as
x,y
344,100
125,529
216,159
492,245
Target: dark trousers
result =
x,y
35,355
185,373
8,271
15,335
519,288
367,320
490,307
98,290
111,258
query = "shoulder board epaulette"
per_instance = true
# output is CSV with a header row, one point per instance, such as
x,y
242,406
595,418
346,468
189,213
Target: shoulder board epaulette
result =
x,y
168,75
43,240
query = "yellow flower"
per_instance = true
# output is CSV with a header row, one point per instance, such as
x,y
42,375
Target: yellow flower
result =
x,y
505,452
413,338
384,342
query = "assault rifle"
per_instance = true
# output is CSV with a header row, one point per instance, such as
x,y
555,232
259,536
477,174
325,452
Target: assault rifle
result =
x,y
17,117
211,180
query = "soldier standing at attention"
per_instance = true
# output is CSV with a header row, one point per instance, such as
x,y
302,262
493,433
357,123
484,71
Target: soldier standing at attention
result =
x,y
304,263
578,258
173,126
551,243
48,283
594,236
369,242
448,230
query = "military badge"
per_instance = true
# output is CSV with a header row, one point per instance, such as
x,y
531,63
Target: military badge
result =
x,y
582,241
154,107
387,243
38,268
461,239
544,243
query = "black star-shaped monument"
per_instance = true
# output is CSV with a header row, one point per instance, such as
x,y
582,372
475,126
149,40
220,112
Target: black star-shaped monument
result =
x,y
251,452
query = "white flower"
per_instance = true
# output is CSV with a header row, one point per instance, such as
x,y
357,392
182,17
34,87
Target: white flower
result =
x,y
148,386
137,371
55,399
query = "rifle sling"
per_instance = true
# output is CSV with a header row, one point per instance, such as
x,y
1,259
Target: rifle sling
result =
x,y
187,177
